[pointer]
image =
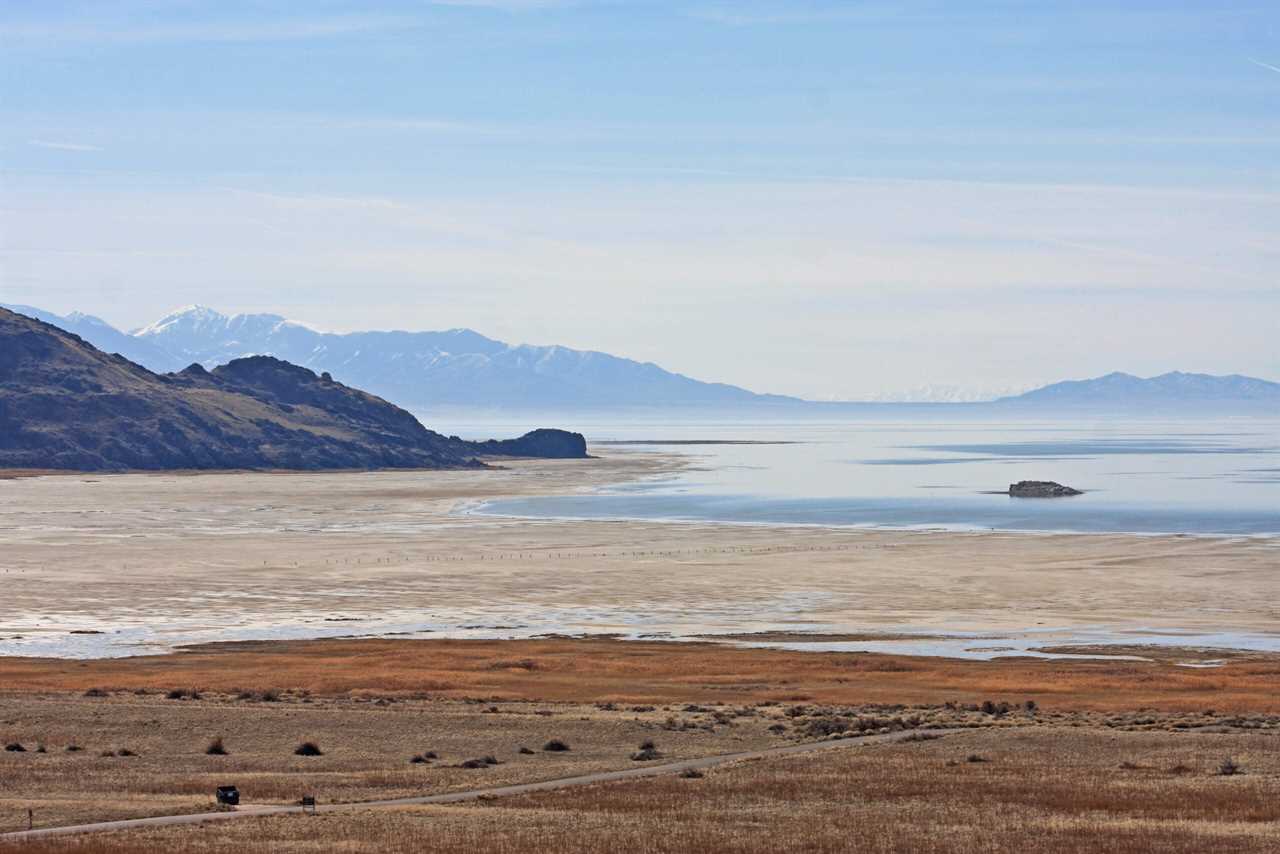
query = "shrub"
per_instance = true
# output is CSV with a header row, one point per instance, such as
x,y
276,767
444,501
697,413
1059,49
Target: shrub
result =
x,y
271,695
95,692
646,753
1030,706
1229,768
823,727
526,751
73,748
176,694
418,760
691,774
474,763
124,751
973,757
15,747
555,745
40,748
308,748
216,748
429,754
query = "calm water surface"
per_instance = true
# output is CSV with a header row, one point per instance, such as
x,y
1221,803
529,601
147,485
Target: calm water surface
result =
x,y
1204,477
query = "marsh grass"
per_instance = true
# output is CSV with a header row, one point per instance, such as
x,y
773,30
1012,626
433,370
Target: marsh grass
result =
x,y
638,672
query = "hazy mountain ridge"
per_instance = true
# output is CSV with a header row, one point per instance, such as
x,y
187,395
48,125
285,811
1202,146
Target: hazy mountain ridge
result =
x,y
456,367
465,369
66,405
1119,388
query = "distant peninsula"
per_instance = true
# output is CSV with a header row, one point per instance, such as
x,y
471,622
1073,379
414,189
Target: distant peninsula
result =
x,y
66,405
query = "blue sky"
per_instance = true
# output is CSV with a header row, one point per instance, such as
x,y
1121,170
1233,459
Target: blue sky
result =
x,y
829,199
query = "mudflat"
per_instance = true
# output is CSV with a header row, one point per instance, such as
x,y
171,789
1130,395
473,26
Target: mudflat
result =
x,y
433,615
152,561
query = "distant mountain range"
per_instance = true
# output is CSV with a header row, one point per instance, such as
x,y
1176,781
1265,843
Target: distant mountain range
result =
x,y
421,370
464,369
64,404
1125,390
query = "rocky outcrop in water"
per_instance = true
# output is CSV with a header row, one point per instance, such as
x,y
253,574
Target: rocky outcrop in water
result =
x,y
553,444
1041,489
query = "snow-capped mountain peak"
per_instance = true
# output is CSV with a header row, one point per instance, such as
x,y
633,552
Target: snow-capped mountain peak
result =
x,y
193,318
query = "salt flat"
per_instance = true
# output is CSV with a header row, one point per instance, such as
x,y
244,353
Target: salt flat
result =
x,y
152,561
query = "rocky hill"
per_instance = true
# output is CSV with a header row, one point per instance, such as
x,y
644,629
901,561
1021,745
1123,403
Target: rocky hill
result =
x,y
66,405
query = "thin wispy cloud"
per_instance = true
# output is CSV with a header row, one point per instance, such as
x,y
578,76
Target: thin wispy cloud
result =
x,y
743,14
63,146
292,29
508,5
1265,65
224,22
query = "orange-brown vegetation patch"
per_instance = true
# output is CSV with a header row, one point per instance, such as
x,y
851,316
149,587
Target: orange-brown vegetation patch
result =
x,y
593,670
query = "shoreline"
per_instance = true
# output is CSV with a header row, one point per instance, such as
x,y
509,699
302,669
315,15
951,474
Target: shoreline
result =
x,y
153,563
477,510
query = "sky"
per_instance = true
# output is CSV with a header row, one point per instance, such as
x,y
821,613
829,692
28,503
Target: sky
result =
x,y
838,200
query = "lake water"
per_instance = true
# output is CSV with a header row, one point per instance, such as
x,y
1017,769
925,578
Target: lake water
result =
x,y
1201,477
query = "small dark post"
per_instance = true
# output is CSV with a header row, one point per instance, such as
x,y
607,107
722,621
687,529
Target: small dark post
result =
x,y
309,804
31,818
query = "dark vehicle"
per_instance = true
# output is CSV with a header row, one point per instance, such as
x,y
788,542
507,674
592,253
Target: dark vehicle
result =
x,y
228,796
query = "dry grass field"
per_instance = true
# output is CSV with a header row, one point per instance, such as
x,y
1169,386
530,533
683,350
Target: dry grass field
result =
x,y
367,748
1000,790
1094,755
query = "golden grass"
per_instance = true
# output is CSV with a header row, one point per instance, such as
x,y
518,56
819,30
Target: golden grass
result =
x,y
1041,789
605,670
373,704
367,747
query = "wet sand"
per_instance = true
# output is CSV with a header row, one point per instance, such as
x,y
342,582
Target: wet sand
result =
x,y
152,561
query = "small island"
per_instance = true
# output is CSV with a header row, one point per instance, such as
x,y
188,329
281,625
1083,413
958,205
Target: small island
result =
x,y
1041,489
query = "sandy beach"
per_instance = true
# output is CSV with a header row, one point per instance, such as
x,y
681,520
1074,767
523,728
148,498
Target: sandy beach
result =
x,y
150,561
